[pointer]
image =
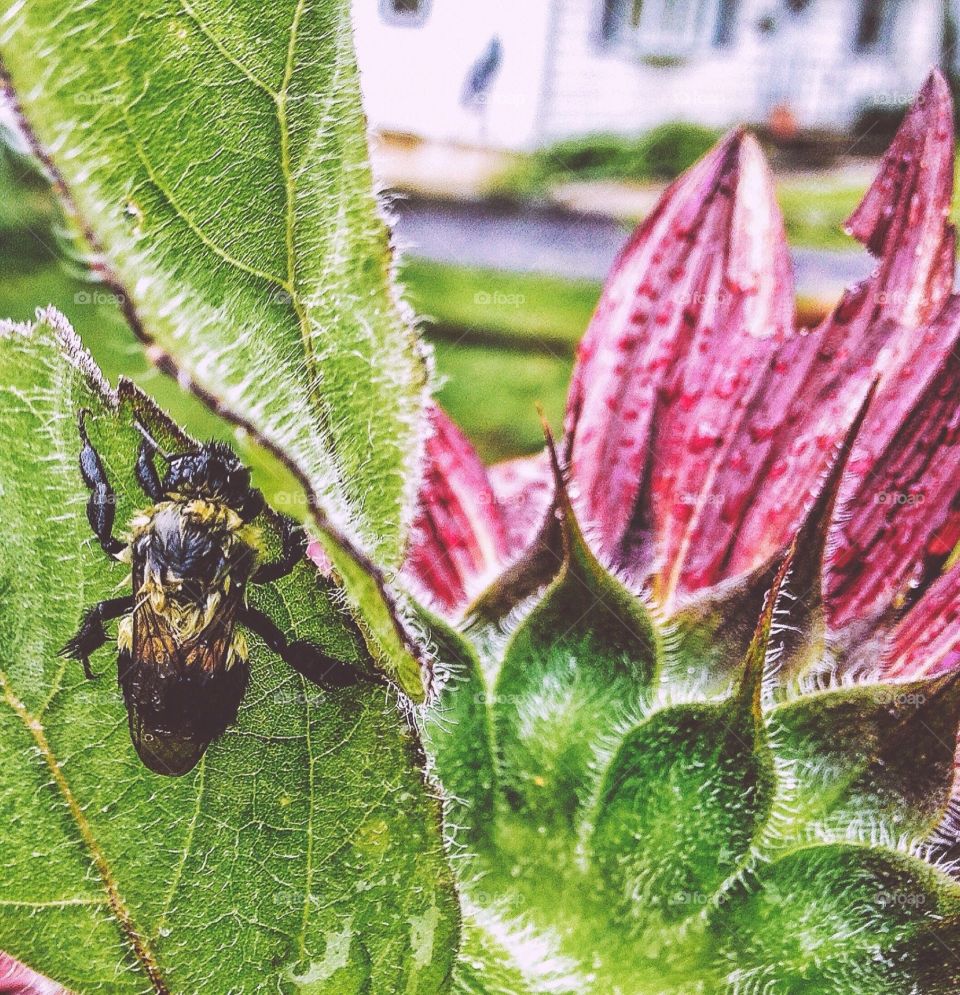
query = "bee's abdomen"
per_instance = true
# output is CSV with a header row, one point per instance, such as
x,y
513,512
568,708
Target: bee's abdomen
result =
x,y
175,714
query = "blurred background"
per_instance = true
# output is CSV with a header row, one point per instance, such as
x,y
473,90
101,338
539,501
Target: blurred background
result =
x,y
519,141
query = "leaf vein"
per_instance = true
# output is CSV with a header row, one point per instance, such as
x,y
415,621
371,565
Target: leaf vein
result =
x,y
121,913
193,225
206,31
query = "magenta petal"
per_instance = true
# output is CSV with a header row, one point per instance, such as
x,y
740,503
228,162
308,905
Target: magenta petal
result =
x,y
17,979
901,219
746,315
819,379
927,641
904,511
692,310
458,536
524,489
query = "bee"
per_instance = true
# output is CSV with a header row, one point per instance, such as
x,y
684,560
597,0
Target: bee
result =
x,y
182,660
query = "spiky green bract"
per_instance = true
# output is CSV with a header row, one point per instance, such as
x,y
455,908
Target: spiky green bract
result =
x,y
579,665
686,796
303,854
696,825
834,920
877,758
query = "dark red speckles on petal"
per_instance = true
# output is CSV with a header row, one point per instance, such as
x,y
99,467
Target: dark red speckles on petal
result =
x,y
904,509
901,217
710,256
16,979
524,490
927,641
745,294
876,329
459,536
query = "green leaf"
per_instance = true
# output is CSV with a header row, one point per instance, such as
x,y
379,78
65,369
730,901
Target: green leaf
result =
x,y
714,629
379,613
869,758
687,796
216,152
304,853
582,662
458,736
839,919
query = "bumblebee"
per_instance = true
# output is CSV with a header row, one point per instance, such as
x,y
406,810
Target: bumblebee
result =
x,y
182,660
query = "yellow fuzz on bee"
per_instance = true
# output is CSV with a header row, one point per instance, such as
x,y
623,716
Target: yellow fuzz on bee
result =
x,y
238,651
125,634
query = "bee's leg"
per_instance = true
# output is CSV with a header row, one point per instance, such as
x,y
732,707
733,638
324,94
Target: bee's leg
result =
x,y
305,658
91,635
102,505
293,551
146,472
252,505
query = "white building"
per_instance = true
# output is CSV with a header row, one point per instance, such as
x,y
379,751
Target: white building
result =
x,y
546,69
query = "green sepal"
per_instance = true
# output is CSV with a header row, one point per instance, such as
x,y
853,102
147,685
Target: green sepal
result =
x,y
458,734
583,661
871,757
712,631
687,795
533,570
841,919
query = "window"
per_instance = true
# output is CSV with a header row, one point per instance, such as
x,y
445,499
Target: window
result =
x,y
875,25
668,27
408,13
726,22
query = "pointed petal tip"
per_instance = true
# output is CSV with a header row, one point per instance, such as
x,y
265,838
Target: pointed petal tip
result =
x,y
920,159
18,979
936,85
689,314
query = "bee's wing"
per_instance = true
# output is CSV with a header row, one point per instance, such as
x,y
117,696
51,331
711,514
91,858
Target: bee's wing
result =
x,y
180,694
157,642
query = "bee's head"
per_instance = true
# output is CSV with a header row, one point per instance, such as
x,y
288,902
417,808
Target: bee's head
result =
x,y
213,472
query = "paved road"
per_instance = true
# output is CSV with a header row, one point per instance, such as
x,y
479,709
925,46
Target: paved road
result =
x,y
545,240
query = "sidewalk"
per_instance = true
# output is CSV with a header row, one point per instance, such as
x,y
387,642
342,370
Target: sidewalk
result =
x,y
559,242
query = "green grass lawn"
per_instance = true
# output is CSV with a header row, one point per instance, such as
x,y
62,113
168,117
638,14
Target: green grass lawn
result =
x,y
504,342
522,308
815,211
814,217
